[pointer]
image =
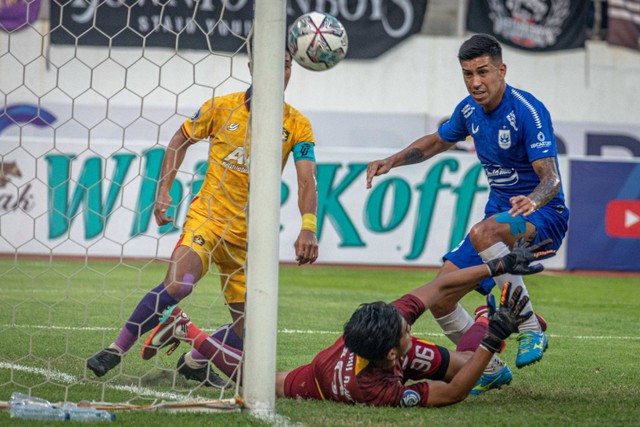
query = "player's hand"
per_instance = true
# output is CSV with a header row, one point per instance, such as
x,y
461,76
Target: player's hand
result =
x,y
163,203
522,205
306,247
507,318
375,168
517,262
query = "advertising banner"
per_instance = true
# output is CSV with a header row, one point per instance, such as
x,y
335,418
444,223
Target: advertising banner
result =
x,y
99,203
218,25
604,232
536,26
105,187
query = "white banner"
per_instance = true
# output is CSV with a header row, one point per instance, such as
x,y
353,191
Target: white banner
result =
x,y
70,200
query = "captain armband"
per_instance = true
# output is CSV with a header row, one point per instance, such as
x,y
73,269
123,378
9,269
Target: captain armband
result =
x,y
304,151
309,221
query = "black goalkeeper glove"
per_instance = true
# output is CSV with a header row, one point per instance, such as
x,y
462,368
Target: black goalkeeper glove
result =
x,y
506,320
517,262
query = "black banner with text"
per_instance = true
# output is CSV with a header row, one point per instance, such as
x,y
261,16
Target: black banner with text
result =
x,y
537,26
373,26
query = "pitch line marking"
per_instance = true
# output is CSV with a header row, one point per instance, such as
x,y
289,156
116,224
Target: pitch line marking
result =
x,y
72,379
321,332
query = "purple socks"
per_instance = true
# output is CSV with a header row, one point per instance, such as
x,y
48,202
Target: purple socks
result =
x,y
145,316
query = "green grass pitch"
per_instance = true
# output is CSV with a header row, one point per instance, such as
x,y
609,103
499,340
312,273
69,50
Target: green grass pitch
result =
x,y
55,314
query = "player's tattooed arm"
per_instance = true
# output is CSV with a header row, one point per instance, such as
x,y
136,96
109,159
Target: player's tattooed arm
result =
x,y
418,151
413,156
423,149
549,185
547,189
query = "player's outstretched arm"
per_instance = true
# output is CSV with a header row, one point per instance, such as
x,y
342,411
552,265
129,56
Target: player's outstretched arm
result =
x,y
418,151
173,158
502,323
516,262
306,245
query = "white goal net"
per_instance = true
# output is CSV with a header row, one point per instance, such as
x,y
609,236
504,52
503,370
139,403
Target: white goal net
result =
x,y
93,92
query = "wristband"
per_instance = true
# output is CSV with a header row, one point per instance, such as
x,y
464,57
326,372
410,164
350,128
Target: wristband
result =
x,y
309,222
493,344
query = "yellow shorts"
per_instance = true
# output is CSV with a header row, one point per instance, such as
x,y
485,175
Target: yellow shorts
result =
x,y
229,259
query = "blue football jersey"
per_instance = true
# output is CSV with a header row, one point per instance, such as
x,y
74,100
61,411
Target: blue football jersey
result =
x,y
507,140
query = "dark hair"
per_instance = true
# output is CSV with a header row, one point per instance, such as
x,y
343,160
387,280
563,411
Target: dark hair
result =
x,y
480,45
373,330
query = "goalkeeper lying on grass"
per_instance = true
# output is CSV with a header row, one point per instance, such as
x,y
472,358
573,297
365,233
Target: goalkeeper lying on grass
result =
x,y
372,362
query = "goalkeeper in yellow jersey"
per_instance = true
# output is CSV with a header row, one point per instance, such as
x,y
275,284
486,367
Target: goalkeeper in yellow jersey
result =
x,y
215,230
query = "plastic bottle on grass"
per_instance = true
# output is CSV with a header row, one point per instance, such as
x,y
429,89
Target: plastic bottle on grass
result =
x,y
35,408
86,413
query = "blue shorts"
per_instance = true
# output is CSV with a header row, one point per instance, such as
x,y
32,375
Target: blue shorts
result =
x,y
550,222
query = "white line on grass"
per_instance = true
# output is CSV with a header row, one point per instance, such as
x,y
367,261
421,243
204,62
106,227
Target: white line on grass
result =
x,y
314,332
71,379
279,420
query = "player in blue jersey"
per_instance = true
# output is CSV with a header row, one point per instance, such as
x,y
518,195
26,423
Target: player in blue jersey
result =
x,y
515,143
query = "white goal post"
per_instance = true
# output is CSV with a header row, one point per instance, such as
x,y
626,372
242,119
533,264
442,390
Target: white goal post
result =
x,y
263,217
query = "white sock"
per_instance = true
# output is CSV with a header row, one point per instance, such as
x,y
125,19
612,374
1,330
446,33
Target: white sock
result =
x,y
499,250
455,324
190,362
494,366
115,347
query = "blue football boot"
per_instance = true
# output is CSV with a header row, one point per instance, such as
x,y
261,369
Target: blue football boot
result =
x,y
531,346
490,381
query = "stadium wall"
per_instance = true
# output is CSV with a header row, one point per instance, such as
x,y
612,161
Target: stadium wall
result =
x,y
361,110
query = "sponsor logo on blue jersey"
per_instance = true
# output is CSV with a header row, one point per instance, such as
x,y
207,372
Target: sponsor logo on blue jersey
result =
x,y
500,176
543,144
410,398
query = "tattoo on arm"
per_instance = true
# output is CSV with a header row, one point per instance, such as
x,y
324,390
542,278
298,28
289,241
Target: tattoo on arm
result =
x,y
549,181
413,156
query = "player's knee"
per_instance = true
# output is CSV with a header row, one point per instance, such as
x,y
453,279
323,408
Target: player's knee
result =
x,y
179,290
477,232
442,308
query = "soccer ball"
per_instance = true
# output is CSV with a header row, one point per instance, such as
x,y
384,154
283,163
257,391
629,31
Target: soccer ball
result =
x,y
317,41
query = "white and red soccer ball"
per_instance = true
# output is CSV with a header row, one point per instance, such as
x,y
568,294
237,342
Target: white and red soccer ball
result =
x,y
317,41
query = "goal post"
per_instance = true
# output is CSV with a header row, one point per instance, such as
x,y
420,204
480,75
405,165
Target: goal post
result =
x,y
263,217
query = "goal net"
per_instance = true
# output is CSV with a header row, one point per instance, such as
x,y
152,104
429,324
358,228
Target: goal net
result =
x,y
93,92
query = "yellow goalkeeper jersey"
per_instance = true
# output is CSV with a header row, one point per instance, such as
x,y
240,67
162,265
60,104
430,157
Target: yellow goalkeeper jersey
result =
x,y
224,194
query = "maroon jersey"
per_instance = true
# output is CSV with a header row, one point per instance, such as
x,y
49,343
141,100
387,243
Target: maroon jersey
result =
x,y
338,374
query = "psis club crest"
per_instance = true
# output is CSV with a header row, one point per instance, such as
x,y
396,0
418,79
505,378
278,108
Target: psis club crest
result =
x,y
504,138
